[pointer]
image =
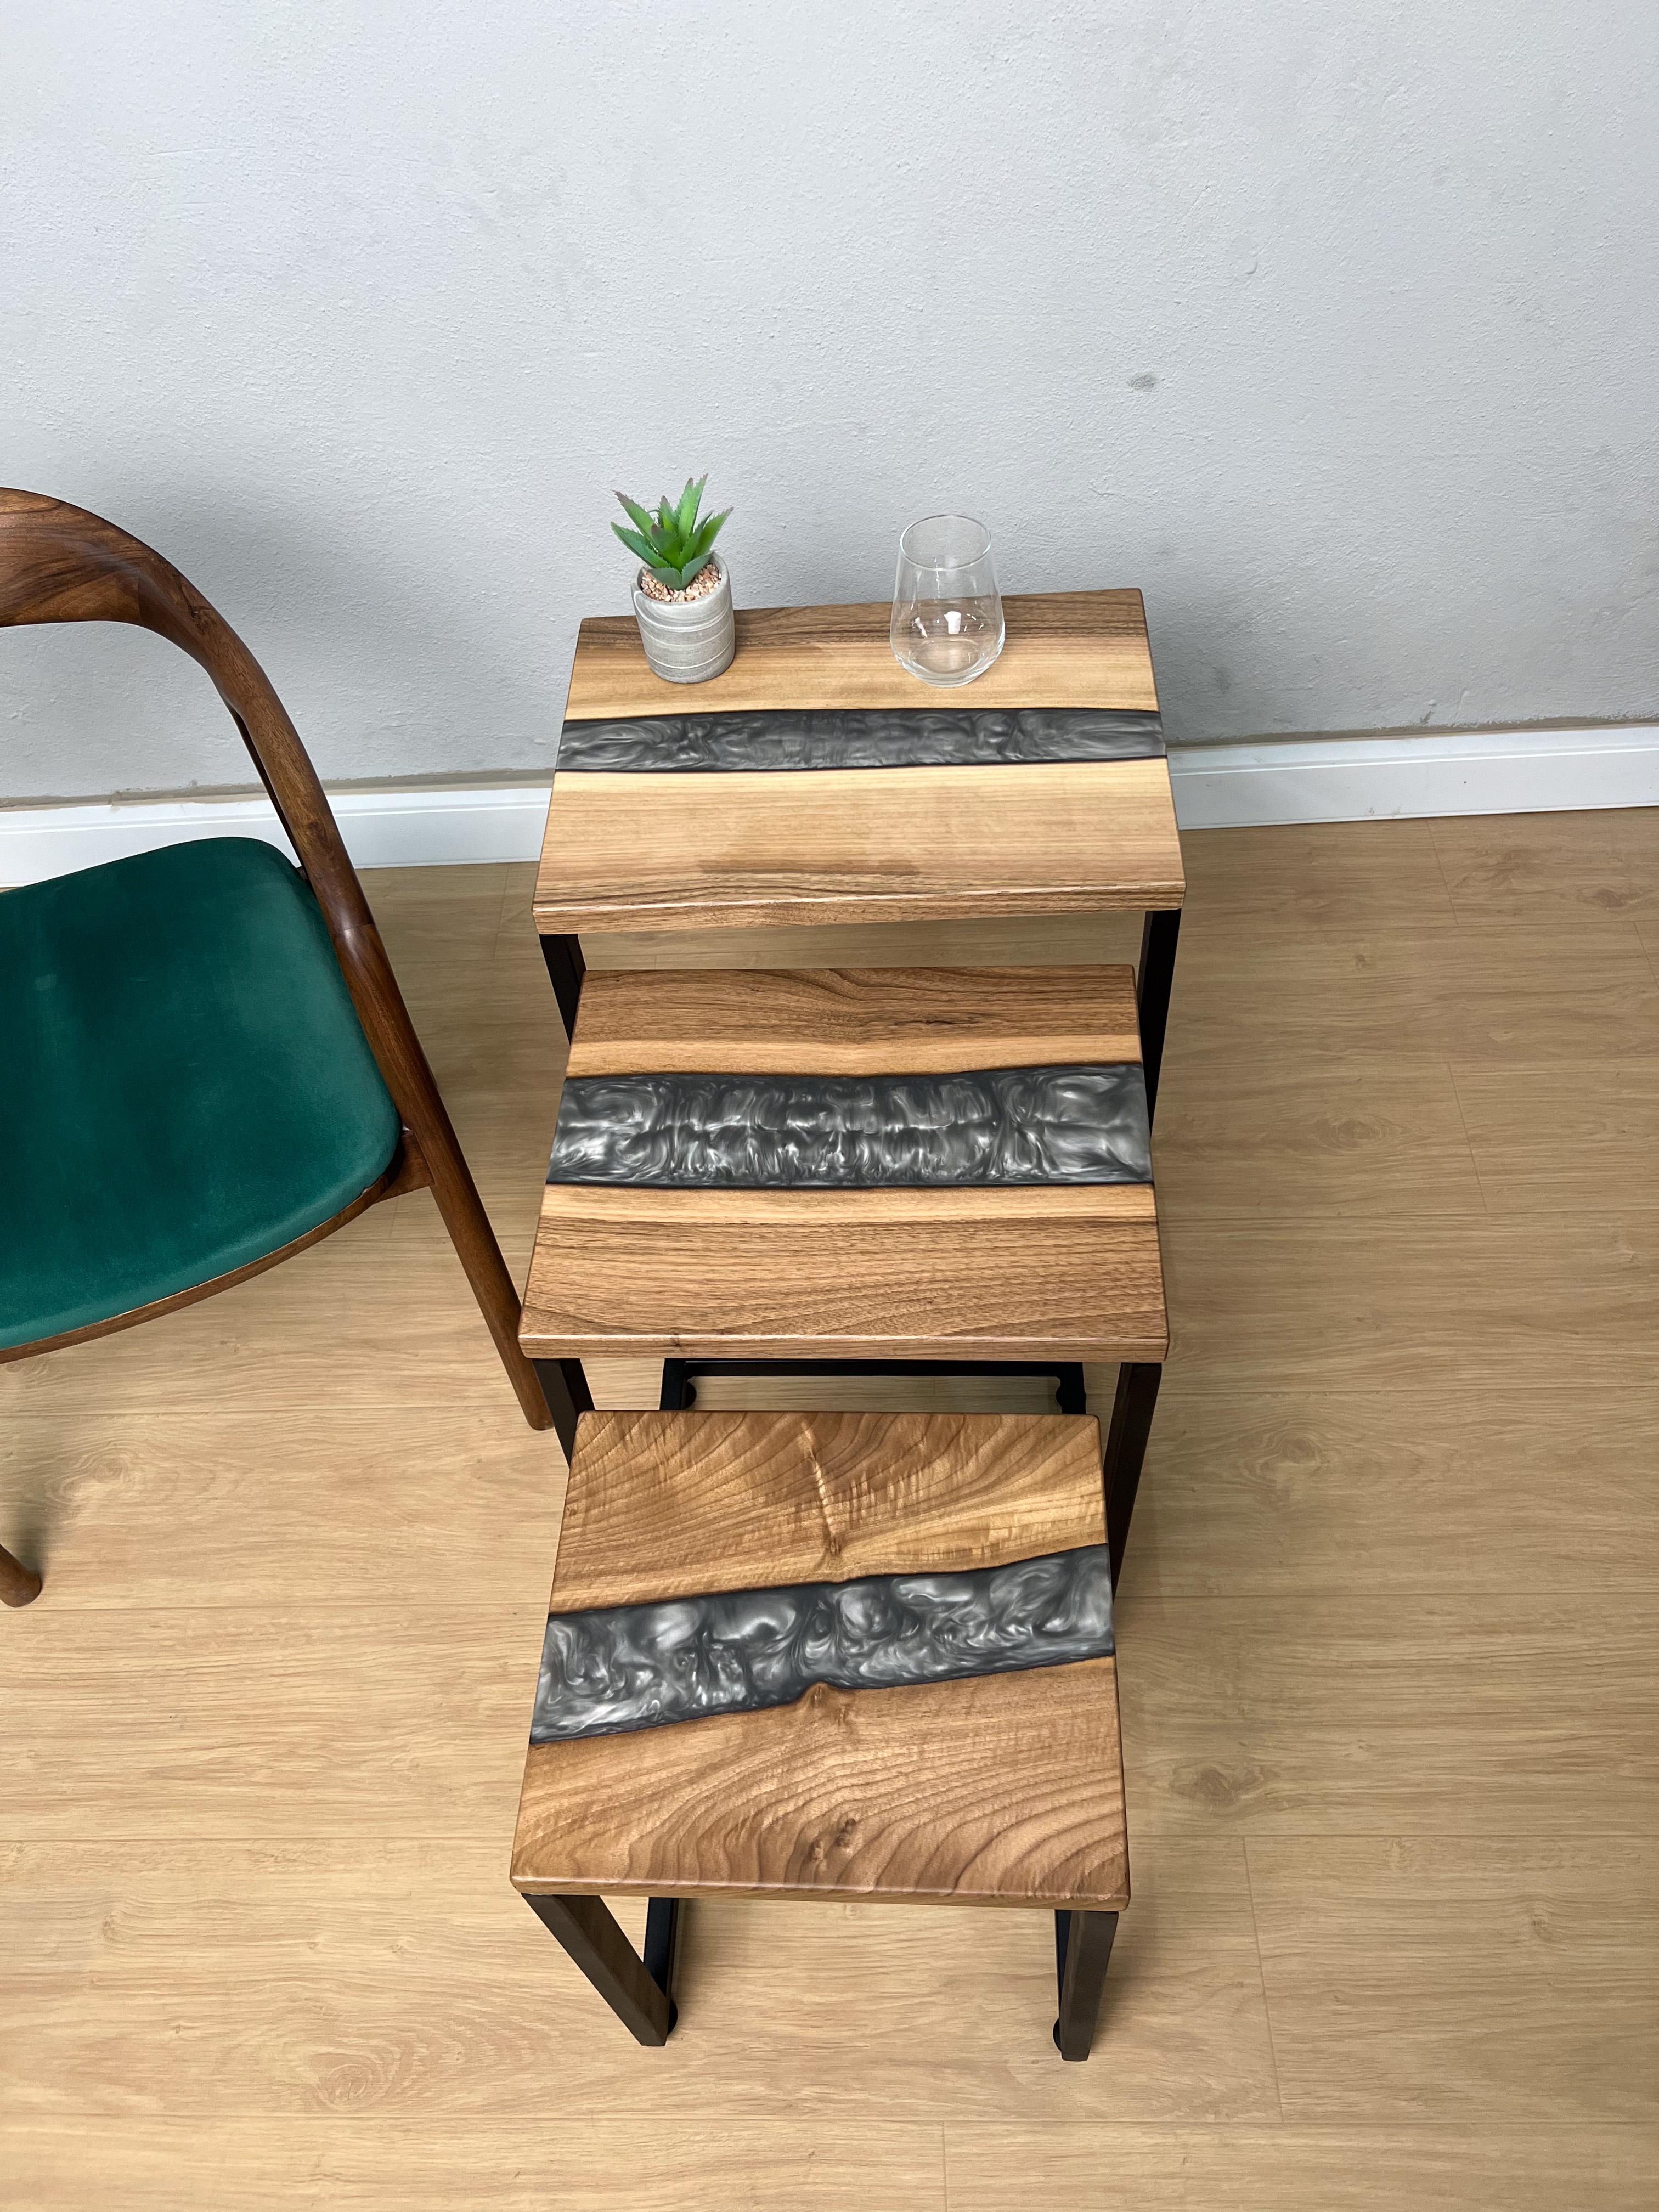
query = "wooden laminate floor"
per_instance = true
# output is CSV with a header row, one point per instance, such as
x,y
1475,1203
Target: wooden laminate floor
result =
x,y
1389,1639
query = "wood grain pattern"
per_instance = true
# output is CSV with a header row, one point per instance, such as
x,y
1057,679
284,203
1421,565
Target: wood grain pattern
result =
x,y
1548,1138
1036,940
375,1989
1522,867
1407,2167
1275,1305
856,845
1454,993
827,1021
1357,1140
1044,1287
1005,1790
1391,1715
1271,1494
529,2160
667,1505
1368,2030
1063,649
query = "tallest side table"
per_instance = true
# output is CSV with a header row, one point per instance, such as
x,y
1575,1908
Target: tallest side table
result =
x,y
817,782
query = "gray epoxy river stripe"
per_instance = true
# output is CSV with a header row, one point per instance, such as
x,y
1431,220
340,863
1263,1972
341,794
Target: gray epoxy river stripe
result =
x,y
869,737
621,1667
992,1127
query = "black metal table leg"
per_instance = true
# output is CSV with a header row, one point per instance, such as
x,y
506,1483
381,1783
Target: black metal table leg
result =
x,y
565,969
1131,1426
1083,1946
1072,1391
583,1925
665,1921
1154,977
564,1385
679,1375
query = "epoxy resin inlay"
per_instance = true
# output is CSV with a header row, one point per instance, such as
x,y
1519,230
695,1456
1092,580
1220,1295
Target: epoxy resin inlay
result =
x,y
996,1125
626,1667
871,737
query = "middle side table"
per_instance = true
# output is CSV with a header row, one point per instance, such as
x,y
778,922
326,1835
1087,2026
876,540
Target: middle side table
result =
x,y
861,1167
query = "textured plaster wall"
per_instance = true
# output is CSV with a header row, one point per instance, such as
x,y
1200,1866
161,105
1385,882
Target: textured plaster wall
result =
x,y
1334,329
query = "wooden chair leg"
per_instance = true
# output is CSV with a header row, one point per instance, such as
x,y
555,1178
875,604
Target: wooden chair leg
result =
x,y
1082,1945
1133,1407
584,1926
18,1584
461,1209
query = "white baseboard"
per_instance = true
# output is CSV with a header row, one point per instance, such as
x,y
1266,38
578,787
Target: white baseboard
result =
x,y
383,828
1354,779
1359,779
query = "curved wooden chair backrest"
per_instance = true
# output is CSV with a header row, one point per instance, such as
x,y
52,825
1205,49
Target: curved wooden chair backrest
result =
x,y
60,564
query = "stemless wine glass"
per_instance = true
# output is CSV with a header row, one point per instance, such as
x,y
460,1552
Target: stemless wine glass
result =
x,y
947,612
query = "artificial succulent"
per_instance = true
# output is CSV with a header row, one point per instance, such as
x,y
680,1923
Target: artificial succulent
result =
x,y
672,543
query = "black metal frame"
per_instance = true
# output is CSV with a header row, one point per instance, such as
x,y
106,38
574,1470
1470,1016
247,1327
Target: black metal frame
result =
x,y
1127,1434
640,1989
679,1375
1160,932
1083,1948
565,970
564,1385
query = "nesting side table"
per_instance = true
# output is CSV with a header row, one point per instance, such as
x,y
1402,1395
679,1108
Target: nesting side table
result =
x,y
836,1726
817,782
856,1167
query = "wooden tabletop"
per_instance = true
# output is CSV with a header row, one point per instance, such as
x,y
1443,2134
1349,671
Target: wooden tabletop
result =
x,y
701,1237
639,850
1003,1789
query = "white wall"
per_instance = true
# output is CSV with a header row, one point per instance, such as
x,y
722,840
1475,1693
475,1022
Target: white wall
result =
x,y
1334,329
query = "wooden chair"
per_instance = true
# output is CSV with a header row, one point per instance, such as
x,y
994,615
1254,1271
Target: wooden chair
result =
x,y
212,1067
945,1786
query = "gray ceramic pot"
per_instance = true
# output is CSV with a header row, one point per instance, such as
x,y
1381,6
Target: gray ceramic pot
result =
x,y
688,641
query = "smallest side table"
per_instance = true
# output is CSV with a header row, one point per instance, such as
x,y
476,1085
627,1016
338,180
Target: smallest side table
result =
x,y
817,782
963,1779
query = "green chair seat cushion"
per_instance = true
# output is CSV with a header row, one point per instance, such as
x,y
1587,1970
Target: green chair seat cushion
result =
x,y
185,1087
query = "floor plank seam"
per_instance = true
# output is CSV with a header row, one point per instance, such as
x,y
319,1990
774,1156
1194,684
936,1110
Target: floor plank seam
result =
x,y
1462,1116
1261,1979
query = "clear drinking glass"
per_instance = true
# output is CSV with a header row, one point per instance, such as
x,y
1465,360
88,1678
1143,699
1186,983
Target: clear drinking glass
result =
x,y
947,612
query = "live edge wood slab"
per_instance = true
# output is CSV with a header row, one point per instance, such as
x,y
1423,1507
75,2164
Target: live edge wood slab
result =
x,y
629,852
1003,1789
1037,1270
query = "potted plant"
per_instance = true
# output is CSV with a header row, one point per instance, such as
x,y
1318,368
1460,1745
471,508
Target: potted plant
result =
x,y
682,595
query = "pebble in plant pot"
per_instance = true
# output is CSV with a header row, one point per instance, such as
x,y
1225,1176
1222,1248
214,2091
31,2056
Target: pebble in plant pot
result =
x,y
682,595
